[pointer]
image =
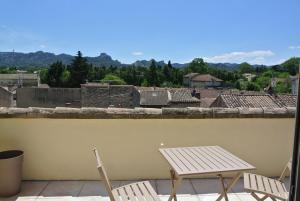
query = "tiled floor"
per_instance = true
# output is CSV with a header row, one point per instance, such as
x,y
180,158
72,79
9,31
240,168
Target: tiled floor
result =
x,y
191,190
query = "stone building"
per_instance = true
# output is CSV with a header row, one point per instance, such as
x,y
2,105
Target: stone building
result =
x,y
48,97
201,80
20,80
154,98
294,84
103,96
6,98
167,97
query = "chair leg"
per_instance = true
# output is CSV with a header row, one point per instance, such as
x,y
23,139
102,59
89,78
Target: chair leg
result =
x,y
256,197
263,198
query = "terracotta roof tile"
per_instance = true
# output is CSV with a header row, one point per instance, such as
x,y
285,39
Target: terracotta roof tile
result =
x,y
206,78
247,101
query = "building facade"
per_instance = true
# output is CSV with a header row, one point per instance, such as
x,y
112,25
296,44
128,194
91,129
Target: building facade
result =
x,y
201,81
20,80
6,98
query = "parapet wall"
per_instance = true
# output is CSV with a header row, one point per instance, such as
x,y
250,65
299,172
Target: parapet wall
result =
x,y
146,113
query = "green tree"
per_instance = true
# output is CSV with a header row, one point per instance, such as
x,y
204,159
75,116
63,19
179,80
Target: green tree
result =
x,y
292,65
152,74
197,66
263,82
168,72
44,76
283,87
251,86
55,74
246,68
79,69
113,79
65,78
238,85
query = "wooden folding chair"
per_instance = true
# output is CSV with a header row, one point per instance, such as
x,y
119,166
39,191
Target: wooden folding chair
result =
x,y
270,188
139,191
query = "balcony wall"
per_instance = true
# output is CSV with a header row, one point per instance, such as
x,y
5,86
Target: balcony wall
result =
x,y
60,149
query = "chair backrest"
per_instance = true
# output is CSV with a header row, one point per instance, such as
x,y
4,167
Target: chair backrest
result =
x,y
103,174
287,167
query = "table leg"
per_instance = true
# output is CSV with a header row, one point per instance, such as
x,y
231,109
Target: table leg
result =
x,y
229,186
223,187
176,181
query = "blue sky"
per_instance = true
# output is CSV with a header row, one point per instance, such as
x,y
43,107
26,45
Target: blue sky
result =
x,y
256,31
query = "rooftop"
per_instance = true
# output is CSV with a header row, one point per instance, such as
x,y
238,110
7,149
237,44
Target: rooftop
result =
x,y
203,77
182,95
19,76
154,98
255,100
287,100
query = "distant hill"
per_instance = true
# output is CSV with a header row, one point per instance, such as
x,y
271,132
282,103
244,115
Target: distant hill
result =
x,y
45,59
145,63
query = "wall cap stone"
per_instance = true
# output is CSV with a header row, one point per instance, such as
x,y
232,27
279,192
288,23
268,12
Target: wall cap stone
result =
x,y
146,113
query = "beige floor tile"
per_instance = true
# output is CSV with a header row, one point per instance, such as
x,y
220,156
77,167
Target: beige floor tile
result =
x,y
29,191
181,198
63,188
214,196
96,188
164,187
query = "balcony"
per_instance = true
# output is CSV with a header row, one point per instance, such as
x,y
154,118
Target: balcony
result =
x,y
59,164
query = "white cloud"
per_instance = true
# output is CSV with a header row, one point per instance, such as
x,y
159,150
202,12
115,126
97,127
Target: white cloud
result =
x,y
137,53
293,47
42,46
253,57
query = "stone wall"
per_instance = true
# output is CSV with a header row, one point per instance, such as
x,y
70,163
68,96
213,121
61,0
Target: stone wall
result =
x,y
104,96
48,97
6,98
146,113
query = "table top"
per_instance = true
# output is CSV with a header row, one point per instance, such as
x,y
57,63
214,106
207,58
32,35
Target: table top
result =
x,y
203,160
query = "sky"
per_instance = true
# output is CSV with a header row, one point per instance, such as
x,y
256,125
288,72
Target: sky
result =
x,y
235,31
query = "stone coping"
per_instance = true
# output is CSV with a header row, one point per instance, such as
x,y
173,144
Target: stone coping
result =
x,y
146,113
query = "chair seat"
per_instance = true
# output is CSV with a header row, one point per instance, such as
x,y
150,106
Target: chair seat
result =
x,y
267,186
140,191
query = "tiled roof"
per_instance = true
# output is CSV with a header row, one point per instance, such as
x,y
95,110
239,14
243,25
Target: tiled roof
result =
x,y
18,76
286,100
206,102
244,100
177,95
182,95
209,93
191,75
206,78
154,97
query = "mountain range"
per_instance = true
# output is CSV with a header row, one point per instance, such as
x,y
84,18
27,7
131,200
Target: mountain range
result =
x,y
45,59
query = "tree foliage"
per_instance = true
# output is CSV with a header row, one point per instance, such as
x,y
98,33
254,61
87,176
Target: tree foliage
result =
x,y
113,79
246,68
79,70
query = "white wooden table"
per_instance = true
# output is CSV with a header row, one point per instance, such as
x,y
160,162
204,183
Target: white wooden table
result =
x,y
188,161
